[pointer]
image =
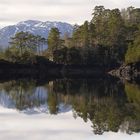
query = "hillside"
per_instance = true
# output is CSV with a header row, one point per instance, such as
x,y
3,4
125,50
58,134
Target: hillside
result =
x,y
34,27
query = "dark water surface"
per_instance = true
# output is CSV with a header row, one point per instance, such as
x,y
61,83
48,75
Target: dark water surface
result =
x,y
69,109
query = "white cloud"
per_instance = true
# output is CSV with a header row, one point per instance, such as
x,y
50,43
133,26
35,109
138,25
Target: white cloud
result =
x,y
15,126
73,11
62,10
117,3
42,126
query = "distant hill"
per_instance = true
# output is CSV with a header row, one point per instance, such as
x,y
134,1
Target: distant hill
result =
x,y
32,26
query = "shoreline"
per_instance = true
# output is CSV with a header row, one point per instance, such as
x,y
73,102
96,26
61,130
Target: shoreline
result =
x,y
51,69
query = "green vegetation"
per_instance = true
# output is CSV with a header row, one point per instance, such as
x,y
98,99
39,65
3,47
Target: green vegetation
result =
x,y
106,103
112,37
54,41
133,52
23,48
133,93
104,40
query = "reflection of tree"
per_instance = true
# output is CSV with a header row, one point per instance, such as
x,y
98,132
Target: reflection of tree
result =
x,y
133,95
21,92
108,104
103,102
101,107
107,116
52,99
53,103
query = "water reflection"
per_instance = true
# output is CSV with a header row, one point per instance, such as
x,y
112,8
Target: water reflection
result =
x,y
108,104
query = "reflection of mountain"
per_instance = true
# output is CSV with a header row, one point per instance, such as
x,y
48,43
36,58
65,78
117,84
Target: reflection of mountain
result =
x,y
30,100
108,104
44,108
6,101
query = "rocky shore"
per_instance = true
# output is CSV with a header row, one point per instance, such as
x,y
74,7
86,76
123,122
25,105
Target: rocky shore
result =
x,y
47,68
127,71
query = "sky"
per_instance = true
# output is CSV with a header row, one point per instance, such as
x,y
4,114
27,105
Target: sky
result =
x,y
19,126
71,11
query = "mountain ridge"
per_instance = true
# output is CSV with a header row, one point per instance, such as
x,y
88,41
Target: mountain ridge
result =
x,y
35,27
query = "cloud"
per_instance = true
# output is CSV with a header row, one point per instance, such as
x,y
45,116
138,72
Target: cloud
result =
x,y
42,126
63,10
72,11
117,3
42,2
63,126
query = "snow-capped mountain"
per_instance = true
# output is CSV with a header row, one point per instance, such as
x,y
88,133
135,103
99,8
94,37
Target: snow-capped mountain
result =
x,y
32,26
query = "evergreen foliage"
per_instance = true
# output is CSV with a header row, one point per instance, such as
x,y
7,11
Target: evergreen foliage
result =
x,y
111,37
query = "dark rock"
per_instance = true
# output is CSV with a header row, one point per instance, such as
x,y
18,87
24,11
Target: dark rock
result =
x,y
129,72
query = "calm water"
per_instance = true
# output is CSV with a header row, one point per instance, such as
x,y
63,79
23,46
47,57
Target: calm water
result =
x,y
69,109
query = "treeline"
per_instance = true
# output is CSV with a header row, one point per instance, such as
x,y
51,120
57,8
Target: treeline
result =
x,y
23,48
112,37
111,31
73,55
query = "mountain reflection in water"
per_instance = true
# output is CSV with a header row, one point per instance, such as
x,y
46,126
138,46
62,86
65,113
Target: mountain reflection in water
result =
x,y
108,104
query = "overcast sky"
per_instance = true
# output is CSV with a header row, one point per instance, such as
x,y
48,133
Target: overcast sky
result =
x,y
72,11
